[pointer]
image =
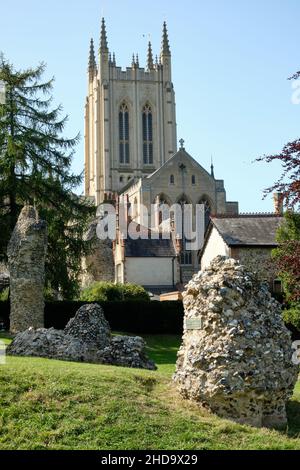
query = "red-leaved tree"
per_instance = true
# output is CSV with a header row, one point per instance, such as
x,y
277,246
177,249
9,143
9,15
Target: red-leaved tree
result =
x,y
287,255
289,182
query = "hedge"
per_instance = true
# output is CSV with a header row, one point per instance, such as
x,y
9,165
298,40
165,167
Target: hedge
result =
x,y
130,316
4,314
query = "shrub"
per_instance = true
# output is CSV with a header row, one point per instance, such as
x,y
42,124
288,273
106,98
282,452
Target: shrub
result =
x,y
4,295
291,316
134,292
110,292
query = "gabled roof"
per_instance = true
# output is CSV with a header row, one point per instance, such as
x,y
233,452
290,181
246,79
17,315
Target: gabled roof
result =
x,y
181,153
248,230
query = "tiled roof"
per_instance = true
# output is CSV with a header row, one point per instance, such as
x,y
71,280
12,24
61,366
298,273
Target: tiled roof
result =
x,y
149,248
248,230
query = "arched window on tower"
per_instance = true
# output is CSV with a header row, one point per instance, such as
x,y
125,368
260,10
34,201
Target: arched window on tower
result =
x,y
207,211
172,179
147,135
124,133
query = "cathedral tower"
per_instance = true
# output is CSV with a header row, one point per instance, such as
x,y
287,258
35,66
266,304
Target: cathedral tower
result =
x,y
130,118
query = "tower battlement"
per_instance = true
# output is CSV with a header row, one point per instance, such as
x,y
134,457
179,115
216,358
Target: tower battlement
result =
x,y
130,117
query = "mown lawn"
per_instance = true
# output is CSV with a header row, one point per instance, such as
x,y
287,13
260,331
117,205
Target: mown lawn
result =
x,y
58,405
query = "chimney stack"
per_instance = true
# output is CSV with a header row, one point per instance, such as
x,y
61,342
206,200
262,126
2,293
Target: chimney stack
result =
x,y
178,245
278,203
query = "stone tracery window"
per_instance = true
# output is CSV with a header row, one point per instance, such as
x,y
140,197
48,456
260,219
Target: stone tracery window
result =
x,y
147,135
124,133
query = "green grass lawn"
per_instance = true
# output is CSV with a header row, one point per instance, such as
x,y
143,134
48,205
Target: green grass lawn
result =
x,y
48,404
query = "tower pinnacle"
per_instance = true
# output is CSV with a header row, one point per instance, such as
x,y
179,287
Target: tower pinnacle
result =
x,y
103,38
165,46
150,64
212,168
92,60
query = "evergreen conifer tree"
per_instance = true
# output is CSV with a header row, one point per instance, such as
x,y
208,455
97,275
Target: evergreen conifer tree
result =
x,y
35,168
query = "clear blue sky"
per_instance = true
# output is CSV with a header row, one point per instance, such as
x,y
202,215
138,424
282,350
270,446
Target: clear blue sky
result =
x,y
231,60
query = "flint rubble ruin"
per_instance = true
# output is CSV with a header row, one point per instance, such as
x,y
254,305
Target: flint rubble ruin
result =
x,y
236,355
26,262
86,338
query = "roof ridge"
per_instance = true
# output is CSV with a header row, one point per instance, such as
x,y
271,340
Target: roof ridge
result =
x,y
246,215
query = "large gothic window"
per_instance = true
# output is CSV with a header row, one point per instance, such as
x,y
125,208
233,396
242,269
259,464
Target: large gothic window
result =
x,y
147,135
124,133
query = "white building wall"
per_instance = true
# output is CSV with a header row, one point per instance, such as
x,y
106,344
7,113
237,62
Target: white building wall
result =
x,y
215,247
150,271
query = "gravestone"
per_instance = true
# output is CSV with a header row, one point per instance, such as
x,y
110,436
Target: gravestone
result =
x,y
26,262
236,354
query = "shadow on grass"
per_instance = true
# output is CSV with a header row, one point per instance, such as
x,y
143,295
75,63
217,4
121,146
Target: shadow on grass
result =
x,y
5,334
163,349
293,414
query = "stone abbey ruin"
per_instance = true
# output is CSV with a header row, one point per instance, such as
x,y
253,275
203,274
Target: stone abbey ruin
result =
x,y
236,355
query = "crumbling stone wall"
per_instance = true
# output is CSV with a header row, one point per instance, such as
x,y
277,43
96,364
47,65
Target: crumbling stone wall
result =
x,y
99,264
26,261
236,355
86,338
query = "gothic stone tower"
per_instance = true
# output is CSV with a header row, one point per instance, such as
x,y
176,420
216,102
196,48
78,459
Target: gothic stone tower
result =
x,y
130,118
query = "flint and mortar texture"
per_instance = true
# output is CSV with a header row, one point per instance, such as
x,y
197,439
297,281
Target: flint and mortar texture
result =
x,y
238,364
26,262
86,338
99,264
